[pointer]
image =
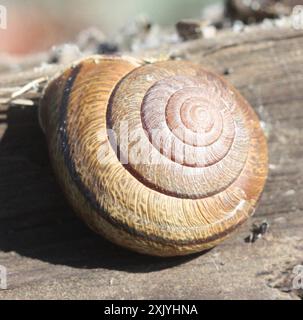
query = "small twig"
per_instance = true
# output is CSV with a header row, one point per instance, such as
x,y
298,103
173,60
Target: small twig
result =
x,y
29,86
18,92
23,102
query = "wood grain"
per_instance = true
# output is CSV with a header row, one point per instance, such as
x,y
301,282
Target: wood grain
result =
x,y
50,254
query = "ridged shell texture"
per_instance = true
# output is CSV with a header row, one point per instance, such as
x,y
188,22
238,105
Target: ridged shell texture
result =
x,y
164,158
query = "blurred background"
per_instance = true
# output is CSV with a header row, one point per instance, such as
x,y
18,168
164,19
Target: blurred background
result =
x,y
35,25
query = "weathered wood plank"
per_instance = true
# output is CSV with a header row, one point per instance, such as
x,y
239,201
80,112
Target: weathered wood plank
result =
x,y
49,253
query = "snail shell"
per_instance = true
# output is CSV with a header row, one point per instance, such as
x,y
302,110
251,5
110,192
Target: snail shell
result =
x,y
164,158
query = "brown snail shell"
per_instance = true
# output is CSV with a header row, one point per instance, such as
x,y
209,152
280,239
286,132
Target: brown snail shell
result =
x,y
107,120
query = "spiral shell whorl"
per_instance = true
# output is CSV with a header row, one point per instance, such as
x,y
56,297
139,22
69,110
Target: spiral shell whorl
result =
x,y
200,156
184,159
